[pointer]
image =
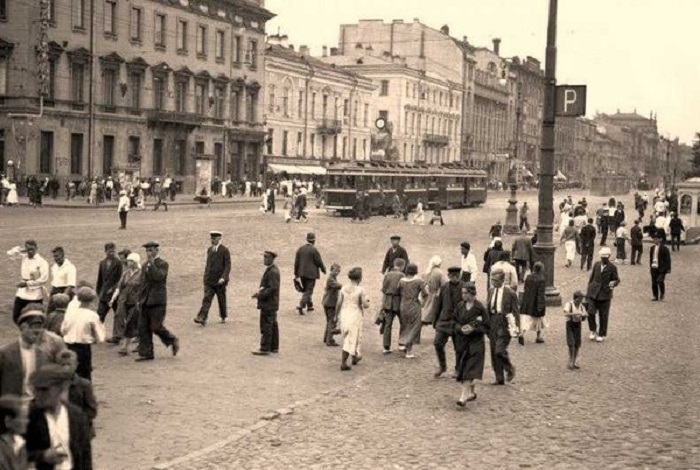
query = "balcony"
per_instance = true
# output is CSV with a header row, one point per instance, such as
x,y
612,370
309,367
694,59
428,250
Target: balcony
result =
x,y
174,118
436,139
330,126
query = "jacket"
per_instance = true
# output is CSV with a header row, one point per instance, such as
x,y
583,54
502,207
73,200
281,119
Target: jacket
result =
x,y
636,236
587,237
107,278
154,280
599,282
8,459
664,257
522,249
11,368
38,439
330,295
308,262
218,266
391,255
391,300
676,226
446,305
533,302
269,291
509,304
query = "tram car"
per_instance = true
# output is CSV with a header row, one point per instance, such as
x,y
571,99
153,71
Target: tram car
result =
x,y
451,185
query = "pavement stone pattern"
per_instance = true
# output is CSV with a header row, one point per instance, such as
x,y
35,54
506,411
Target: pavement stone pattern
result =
x,y
629,407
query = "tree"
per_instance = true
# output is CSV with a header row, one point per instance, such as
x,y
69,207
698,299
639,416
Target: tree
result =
x,y
695,169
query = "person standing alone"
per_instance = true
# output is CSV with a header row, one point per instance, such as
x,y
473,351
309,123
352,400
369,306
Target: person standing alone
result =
x,y
603,280
216,277
307,267
268,297
660,265
123,209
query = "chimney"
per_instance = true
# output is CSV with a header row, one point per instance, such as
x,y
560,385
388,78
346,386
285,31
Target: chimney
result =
x,y
304,50
334,51
325,51
445,30
496,46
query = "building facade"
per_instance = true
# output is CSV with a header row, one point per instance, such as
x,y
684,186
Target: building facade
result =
x,y
529,106
135,89
314,111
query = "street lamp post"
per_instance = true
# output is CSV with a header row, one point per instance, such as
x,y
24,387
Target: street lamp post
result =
x,y
511,225
545,247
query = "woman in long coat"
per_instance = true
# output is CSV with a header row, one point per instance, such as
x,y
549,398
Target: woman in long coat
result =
x,y
471,323
410,289
126,296
533,306
352,302
434,279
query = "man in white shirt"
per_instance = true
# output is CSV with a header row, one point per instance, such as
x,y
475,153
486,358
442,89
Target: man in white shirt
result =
x,y
81,328
468,263
123,209
63,273
34,274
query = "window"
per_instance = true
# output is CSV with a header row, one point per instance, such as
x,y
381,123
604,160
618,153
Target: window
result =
x,y
181,36
109,87
134,155
218,158
237,41
300,139
235,105
51,95
323,146
285,102
181,95
107,154
219,93
300,104
135,26
180,157
269,142
384,90
201,40
46,153
354,114
313,144
365,116
76,154
354,148
3,10
199,147
220,40
158,92
346,109
285,139
3,75
78,13
271,104
52,12
160,30
135,89
253,54
157,156
324,106
252,103
313,105
335,146
110,16
345,146
199,95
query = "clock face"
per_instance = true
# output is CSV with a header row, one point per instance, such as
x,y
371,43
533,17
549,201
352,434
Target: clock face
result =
x,y
380,123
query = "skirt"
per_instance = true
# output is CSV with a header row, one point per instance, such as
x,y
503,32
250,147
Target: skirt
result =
x,y
471,351
570,246
528,323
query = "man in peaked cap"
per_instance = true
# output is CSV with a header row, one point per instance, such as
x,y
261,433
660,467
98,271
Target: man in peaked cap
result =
x,y
307,268
268,297
395,251
216,277
604,278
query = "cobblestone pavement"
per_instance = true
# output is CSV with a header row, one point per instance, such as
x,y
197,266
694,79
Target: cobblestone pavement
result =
x,y
629,406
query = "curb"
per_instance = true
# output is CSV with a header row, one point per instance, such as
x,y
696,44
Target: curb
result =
x,y
264,421
114,206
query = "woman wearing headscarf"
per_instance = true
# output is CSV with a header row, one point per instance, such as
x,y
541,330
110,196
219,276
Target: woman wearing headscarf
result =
x,y
352,302
126,296
471,324
533,306
434,279
411,288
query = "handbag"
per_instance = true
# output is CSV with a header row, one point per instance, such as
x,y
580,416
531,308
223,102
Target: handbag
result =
x,y
297,285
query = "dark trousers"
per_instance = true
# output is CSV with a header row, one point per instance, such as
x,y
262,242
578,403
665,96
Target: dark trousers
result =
x,y
103,309
440,341
20,304
587,258
524,223
308,284
160,201
331,321
602,307
151,323
573,334
658,285
676,242
122,218
604,236
84,354
269,331
388,324
436,218
500,360
520,268
637,254
271,203
209,292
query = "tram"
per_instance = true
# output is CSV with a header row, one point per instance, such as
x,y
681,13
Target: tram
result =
x,y
450,185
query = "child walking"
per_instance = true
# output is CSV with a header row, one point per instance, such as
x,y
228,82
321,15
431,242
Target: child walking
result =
x,y
330,299
575,313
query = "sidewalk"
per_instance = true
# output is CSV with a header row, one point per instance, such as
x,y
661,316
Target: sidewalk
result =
x,y
180,200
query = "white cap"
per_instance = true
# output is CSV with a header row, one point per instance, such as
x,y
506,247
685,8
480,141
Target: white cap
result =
x,y
605,252
135,257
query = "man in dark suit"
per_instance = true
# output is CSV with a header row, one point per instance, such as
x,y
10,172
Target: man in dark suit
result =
x,y
636,242
445,307
502,304
152,302
660,265
523,255
587,237
307,267
66,441
396,251
35,347
603,280
268,296
108,275
216,276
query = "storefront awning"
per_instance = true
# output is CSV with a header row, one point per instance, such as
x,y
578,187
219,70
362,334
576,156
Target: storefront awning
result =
x,y
312,169
279,168
297,169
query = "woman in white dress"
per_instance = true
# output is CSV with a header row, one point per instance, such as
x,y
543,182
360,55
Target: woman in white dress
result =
x,y
12,198
434,279
419,218
352,302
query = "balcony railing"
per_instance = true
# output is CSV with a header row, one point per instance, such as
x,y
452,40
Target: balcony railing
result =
x,y
174,118
330,126
436,139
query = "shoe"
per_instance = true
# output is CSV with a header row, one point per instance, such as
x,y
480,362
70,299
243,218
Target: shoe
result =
x,y
510,374
260,352
300,310
461,403
345,367
332,344
356,360
222,321
387,351
599,339
591,336
576,365
498,382
402,347
275,351
309,310
521,340
123,352
654,299
439,374
144,358
539,340
136,349
471,397
176,346
112,340
410,356
200,321
570,365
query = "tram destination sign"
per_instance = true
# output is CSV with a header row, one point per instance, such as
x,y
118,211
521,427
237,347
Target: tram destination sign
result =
x,y
570,100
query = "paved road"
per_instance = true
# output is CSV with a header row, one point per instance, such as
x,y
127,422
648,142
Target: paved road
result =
x,y
153,413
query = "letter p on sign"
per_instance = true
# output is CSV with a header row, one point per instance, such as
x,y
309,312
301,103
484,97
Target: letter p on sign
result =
x,y
570,100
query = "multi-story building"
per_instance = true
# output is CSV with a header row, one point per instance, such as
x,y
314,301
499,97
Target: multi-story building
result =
x,y
314,110
136,88
529,104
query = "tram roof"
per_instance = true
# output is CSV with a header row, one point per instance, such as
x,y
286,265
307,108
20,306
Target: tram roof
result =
x,y
387,168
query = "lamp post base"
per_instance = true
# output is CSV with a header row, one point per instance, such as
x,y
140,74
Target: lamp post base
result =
x,y
511,225
545,253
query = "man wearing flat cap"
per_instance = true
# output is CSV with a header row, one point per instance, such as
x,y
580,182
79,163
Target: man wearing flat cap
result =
x,y
153,303
216,276
603,280
446,307
58,434
396,251
108,275
34,348
268,297
307,268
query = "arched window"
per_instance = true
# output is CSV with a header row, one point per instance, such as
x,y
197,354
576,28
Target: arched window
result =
x,y
686,204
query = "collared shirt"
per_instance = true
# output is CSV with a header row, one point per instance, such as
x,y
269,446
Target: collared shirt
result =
x,y
82,326
64,275
35,271
59,434
18,443
655,256
621,233
497,300
468,265
28,355
124,203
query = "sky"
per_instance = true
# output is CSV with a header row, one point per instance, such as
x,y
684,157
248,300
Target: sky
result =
x,y
641,55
